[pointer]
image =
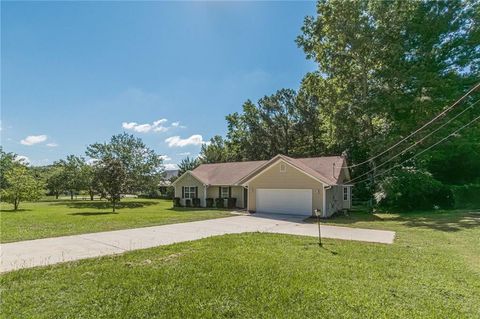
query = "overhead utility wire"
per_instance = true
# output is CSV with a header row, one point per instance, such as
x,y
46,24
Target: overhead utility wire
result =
x,y
423,151
419,129
417,142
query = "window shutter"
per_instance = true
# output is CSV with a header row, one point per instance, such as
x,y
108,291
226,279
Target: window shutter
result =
x,y
220,192
196,191
230,191
183,191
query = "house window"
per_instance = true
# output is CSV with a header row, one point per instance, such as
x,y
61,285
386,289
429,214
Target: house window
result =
x,y
345,193
225,192
189,192
283,168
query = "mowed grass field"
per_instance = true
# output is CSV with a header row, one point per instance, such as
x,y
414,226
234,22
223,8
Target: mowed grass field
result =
x,y
431,271
51,218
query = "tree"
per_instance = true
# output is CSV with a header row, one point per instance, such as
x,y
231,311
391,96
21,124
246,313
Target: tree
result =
x,y
55,182
22,186
187,164
73,176
89,173
214,152
112,178
142,165
7,161
391,67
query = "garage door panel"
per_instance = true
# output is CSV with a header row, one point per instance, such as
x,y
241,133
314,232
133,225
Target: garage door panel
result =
x,y
284,201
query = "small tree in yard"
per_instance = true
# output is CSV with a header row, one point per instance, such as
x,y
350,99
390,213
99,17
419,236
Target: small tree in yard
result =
x,y
22,186
112,177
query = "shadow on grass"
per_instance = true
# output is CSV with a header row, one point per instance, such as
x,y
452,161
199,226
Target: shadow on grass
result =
x,y
11,210
445,220
193,209
92,213
106,205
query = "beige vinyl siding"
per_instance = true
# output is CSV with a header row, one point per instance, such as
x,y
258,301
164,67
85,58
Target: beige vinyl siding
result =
x,y
189,180
334,197
237,192
292,178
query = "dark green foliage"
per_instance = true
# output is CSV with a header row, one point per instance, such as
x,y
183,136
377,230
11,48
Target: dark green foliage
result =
x,y
176,202
214,152
113,178
412,189
231,202
219,203
142,165
209,202
187,164
188,203
467,196
196,202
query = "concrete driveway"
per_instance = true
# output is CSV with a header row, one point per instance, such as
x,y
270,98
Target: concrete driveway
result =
x,y
48,251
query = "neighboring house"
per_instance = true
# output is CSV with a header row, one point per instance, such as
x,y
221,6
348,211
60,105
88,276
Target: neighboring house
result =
x,y
168,176
282,185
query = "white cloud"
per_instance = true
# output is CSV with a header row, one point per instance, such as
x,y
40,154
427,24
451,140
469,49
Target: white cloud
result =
x,y
33,139
171,166
176,141
52,144
165,158
156,126
184,154
22,159
91,161
161,121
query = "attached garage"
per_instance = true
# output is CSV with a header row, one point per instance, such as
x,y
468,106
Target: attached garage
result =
x,y
284,201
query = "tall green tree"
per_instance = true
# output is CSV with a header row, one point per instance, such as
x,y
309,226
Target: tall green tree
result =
x,y
20,186
214,152
144,168
55,181
187,164
385,67
73,176
112,177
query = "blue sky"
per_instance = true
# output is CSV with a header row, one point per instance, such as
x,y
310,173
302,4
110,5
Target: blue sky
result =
x,y
75,73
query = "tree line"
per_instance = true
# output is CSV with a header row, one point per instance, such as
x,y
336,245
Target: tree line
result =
x,y
124,165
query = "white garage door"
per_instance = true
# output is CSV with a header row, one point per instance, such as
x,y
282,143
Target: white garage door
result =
x,y
284,201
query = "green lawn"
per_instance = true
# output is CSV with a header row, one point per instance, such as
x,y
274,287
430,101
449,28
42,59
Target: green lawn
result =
x,y
65,217
431,271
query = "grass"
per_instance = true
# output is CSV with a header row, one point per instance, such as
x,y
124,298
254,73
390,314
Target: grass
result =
x,y
431,271
64,217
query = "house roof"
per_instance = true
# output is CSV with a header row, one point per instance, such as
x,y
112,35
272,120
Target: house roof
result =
x,y
234,173
225,173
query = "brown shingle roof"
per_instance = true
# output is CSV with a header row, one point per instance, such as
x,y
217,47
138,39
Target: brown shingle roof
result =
x,y
232,173
225,173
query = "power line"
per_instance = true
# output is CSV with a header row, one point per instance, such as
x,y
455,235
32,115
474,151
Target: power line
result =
x,y
423,151
418,142
419,129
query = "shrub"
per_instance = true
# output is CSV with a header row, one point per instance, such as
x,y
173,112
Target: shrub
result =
x,y
413,189
467,196
219,203
231,202
196,202
188,203
176,202
209,202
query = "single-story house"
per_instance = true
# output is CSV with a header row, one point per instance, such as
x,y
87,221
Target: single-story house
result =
x,y
281,185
